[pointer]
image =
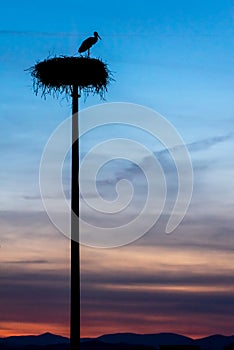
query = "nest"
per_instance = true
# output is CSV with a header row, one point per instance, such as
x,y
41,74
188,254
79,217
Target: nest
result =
x,y
58,75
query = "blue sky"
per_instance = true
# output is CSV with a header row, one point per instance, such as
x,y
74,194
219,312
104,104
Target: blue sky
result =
x,y
173,56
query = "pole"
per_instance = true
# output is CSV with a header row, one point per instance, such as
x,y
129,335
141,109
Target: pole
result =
x,y
75,247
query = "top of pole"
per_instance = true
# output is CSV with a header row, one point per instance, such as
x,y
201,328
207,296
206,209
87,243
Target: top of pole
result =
x,y
74,92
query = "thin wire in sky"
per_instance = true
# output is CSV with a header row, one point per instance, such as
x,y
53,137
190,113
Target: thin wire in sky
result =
x,y
64,34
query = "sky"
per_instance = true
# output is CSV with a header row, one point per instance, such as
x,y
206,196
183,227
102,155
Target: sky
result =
x,y
175,57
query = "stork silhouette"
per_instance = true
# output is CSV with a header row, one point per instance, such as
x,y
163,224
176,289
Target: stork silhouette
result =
x,y
88,43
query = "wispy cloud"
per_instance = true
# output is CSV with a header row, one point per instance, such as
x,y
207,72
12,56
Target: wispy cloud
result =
x,y
207,143
26,262
197,146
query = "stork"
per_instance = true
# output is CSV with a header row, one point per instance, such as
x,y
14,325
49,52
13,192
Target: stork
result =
x,y
88,43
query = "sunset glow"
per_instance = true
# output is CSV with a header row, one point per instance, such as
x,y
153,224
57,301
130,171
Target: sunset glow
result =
x,y
172,57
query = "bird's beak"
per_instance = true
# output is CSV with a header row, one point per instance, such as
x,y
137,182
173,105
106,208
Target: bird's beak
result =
x,y
99,37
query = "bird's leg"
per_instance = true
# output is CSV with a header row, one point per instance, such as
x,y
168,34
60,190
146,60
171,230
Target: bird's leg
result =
x,y
88,52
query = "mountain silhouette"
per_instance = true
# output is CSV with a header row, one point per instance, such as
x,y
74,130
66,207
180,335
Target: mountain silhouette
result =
x,y
118,341
215,342
147,339
44,339
99,345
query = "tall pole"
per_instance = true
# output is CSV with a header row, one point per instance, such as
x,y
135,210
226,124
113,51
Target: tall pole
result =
x,y
75,247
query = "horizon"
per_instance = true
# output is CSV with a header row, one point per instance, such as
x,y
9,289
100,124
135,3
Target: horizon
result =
x,y
172,57
119,333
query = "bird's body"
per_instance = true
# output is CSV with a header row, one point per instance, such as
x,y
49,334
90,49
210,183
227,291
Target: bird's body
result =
x,y
88,43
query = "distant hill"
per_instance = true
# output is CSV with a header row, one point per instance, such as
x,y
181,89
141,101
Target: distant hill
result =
x,y
154,340
35,347
215,342
118,341
99,345
38,340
